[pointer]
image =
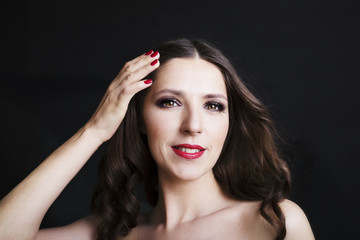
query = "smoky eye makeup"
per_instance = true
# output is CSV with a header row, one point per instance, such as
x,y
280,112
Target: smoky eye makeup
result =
x,y
167,102
215,106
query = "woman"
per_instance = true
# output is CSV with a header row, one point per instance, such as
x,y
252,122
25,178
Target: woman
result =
x,y
198,140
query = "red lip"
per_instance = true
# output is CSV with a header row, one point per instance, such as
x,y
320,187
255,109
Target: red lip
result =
x,y
188,155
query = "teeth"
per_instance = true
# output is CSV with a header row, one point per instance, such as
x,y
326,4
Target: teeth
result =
x,y
189,150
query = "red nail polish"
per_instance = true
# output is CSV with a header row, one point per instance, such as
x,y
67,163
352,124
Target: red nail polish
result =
x,y
154,62
149,52
154,54
148,81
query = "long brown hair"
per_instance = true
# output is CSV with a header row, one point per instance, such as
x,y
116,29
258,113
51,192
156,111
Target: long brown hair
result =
x,y
249,167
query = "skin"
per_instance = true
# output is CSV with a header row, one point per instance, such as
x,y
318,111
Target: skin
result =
x,y
191,204
193,94
25,206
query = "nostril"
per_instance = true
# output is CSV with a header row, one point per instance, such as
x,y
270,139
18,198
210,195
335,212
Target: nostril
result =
x,y
192,131
191,120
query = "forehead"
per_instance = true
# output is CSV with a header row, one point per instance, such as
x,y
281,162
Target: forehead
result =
x,y
190,74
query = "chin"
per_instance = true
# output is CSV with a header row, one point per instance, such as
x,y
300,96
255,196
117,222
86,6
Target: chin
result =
x,y
186,174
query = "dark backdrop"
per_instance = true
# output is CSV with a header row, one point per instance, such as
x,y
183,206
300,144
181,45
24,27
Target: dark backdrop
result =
x,y
300,55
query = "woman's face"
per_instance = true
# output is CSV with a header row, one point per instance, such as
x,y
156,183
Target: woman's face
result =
x,y
186,118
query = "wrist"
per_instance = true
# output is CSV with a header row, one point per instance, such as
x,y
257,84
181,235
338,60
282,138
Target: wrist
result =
x,y
91,135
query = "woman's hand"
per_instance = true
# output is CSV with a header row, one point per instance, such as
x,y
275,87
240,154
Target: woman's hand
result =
x,y
25,206
114,104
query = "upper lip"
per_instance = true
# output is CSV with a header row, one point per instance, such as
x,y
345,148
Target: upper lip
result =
x,y
191,146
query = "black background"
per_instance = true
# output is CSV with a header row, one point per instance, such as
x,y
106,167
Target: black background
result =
x,y
301,58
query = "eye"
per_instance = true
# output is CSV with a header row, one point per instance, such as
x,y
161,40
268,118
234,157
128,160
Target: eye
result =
x,y
168,103
214,106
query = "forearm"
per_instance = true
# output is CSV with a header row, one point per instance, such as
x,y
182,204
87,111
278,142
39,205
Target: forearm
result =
x,y
23,209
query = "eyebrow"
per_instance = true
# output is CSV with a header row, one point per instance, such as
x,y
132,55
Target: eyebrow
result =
x,y
209,96
166,90
181,93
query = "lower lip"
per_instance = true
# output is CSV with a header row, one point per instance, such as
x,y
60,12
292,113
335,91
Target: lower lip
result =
x,y
188,155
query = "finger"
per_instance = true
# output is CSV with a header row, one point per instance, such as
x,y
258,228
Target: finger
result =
x,y
138,63
136,69
130,90
142,72
130,77
133,61
150,53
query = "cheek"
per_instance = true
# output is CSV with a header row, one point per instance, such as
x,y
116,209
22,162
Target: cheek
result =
x,y
154,131
219,130
160,128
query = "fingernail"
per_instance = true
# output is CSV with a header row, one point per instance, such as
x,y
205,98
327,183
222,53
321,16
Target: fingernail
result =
x,y
154,54
148,81
154,62
149,52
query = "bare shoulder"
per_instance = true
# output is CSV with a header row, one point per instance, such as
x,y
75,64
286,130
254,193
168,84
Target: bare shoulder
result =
x,y
297,224
84,229
249,222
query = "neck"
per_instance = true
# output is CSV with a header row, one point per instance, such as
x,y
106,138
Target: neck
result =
x,y
184,201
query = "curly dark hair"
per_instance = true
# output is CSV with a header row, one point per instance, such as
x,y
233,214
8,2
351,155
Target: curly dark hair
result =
x,y
249,167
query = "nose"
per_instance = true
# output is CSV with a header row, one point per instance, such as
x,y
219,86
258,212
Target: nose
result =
x,y
192,123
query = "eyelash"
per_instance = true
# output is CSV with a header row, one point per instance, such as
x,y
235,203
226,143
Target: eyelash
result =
x,y
218,106
169,103
163,102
